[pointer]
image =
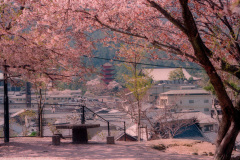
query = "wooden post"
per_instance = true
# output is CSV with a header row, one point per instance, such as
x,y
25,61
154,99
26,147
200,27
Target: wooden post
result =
x,y
83,115
146,133
125,136
56,140
108,129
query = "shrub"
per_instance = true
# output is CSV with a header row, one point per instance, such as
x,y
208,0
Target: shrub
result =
x,y
33,134
188,145
159,147
210,154
204,154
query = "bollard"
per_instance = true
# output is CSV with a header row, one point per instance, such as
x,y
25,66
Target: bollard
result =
x,y
56,140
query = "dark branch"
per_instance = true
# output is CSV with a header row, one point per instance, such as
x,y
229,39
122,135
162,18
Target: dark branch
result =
x,y
118,30
167,15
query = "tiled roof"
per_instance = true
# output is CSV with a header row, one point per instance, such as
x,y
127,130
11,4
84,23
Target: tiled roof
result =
x,y
187,92
163,73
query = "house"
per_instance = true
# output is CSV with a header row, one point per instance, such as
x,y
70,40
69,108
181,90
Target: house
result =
x,y
162,83
194,99
190,125
155,90
206,122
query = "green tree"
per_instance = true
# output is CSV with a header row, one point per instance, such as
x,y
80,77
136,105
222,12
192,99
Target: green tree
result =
x,y
138,84
176,74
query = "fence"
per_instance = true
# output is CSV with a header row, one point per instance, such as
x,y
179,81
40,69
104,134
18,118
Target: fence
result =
x,y
24,121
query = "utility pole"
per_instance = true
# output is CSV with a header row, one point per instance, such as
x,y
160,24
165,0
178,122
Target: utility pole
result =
x,y
28,94
138,99
6,104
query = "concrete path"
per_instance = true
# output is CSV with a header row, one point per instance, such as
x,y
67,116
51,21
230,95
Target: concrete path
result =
x,y
40,148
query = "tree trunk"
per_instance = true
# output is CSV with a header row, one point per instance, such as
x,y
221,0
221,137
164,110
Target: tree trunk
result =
x,y
40,123
226,143
229,126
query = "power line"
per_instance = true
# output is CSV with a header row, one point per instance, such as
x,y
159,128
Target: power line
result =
x,y
146,64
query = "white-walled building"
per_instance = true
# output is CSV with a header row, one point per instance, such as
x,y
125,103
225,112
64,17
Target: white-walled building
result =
x,y
50,97
156,90
194,99
162,83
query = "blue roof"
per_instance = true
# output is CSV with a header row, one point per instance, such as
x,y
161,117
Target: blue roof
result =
x,y
189,132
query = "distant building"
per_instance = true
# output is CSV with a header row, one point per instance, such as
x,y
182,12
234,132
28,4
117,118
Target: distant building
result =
x,y
162,83
107,73
162,74
157,89
178,100
50,97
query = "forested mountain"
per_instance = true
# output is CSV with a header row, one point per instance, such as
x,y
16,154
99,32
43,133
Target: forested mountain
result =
x,y
102,54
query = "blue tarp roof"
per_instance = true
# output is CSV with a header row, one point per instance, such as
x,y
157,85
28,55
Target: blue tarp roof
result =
x,y
189,132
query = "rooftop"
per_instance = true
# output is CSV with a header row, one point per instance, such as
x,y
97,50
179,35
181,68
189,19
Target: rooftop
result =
x,y
187,92
161,74
201,117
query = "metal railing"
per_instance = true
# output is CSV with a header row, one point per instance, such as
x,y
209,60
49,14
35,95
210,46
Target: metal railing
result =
x,y
24,120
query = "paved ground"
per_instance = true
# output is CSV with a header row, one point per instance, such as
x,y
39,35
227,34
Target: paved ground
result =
x,y
40,148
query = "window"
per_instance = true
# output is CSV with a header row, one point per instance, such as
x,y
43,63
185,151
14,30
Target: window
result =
x,y
180,101
206,101
206,109
54,98
191,101
208,128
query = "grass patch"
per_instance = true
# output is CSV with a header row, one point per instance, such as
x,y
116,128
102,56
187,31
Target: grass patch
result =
x,y
187,145
172,145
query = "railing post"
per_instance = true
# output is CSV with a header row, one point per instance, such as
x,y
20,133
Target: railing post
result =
x,y
108,129
83,115
125,136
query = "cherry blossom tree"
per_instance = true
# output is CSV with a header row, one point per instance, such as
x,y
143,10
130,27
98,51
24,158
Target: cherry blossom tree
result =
x,y
35,45
202,31
37,49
